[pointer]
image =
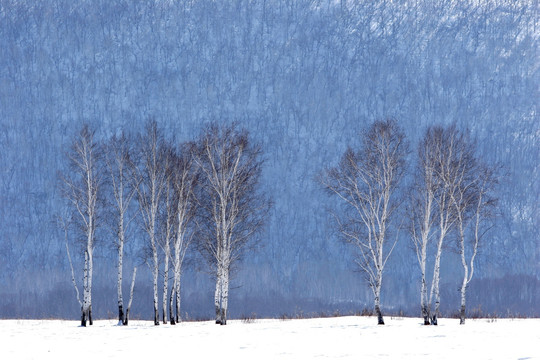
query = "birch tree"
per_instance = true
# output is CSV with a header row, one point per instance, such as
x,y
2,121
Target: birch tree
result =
x,y
365,182
81,187
422,211
232,206
167,228
151,178
473,203
123,189
184,180
445,143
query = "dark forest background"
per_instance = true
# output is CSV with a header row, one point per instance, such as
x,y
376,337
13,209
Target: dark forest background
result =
x,y
304,77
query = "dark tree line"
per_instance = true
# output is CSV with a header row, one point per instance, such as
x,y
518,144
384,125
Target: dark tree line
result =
x,y
205,191
308,68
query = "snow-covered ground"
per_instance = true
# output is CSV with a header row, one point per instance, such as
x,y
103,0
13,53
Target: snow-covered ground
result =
x,y
329,338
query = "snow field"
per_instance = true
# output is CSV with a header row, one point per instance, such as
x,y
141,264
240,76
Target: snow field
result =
x,y
328,338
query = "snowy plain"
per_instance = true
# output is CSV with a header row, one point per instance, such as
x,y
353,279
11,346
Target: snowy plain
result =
x,y
324,338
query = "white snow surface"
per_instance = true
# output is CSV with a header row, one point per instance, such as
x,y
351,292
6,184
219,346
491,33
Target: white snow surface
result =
x,y
327,338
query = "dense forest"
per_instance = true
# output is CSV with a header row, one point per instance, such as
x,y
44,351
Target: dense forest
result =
x,y
304,78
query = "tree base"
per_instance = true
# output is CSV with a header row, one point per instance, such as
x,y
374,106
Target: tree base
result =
x,y
462,315
380,319
120,315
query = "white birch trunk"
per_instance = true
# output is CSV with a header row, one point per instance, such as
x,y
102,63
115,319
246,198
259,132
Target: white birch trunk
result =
x,y
165,284
90,272
176,285
425,232
155,274
217,294
180,248
171,303
224,296
126,317
120,273
423,292
435,294
177,277
178,313
84,316
463,288
152,233
377,292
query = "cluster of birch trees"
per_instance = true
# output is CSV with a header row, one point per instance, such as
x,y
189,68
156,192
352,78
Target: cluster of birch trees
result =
x,y
450,202
203,192
452,199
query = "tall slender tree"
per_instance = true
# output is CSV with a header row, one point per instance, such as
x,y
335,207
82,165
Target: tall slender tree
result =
x,y
233,208
422,210
473,203
151,178
445,143
167,227
122,191
185,178
81,187
365,182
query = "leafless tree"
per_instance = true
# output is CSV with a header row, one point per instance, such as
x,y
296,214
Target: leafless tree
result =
x,y
184,178
81,186
473,203
232,207
167,226
422,211
366,181
123,188
446,148
151,177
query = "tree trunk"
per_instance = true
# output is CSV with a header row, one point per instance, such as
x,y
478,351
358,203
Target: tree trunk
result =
x,y
225,297
119,282
90,272
380,320
463,298
465,273
156,309
217,296
423,289
126,318
165,288
155,275
435,282
83,318
120,315
435,315
90,315
177,293
86,300
171,300
423,300
156,314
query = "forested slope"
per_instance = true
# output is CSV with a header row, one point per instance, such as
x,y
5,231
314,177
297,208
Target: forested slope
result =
x,y
304,77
